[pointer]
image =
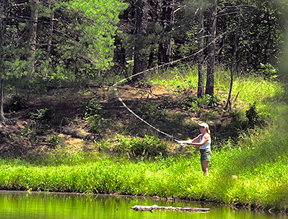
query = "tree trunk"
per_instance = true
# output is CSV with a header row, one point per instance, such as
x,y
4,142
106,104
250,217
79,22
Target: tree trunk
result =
x,y
171,23
211,50
2,117
200,92
167,21
228,104
50,36
140,55
3,14
33,33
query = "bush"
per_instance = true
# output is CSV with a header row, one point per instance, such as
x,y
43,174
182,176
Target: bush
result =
x,y
53,141
148,147
17,103
97,123
252,115
93,114
208,101
92,108
254,118
42,115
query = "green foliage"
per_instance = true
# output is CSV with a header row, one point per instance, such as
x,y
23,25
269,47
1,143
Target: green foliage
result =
x,y
124,145
250,119
92,108
237,123
257,119
148,147
147,110
188,101
255,37
103,145
95,40
93,114
83,47
252,115
269,71
144,83
59,120
97,123
42,115
194,106
209,100
34,130
17,103
53,141
257,88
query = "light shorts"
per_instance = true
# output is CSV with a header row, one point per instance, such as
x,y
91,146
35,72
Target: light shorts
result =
x,y
205,154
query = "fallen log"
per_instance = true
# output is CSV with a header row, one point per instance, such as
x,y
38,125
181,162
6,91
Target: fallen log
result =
x,y
171,208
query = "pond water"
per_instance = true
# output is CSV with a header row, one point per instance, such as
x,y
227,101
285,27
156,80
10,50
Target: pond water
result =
x,y
20,205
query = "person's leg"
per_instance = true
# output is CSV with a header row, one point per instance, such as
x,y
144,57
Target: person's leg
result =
x,y
205,165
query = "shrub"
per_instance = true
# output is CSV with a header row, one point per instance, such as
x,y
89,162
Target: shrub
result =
x,y
208,101
17,103
53,141
93,114
254,118
137,148
252,115
97,123
147,148
92,108
42,115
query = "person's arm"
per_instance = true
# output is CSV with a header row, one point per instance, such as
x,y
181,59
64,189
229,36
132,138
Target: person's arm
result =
x,y
194,140
203,141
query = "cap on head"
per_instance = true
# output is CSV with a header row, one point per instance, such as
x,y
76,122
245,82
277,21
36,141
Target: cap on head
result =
x,y
205,125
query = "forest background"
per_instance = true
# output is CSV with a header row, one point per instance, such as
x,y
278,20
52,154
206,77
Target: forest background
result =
x,y
67,65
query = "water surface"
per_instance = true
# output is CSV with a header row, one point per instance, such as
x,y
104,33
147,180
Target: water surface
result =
x,y
24,205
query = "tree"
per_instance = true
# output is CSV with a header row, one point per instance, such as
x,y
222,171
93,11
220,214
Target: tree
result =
x,y
167,22
80,32
50,35
33,33
91,34
140,52
261,36
233,60
211,49
3,14
200,35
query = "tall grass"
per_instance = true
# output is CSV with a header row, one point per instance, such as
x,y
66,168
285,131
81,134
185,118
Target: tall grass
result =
x,y
250,88
235,177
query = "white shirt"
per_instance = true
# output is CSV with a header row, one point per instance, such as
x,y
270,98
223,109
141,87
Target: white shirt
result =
x,y
207,144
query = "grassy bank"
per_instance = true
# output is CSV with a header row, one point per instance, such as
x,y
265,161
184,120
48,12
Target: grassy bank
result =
x,y
250,171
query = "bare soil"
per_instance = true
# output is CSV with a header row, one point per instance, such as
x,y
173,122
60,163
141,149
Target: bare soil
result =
x,y
157,105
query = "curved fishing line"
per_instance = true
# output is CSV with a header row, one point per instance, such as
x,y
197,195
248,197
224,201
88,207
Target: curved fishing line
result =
x,y
142,72
131,111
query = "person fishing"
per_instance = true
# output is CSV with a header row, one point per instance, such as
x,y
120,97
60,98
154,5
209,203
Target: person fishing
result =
x,y
204,142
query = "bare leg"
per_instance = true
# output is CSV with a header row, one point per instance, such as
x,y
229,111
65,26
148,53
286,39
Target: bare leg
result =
x,y
205,165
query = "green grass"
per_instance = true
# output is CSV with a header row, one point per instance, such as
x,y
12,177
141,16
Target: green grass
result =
x,y
235,176
251,171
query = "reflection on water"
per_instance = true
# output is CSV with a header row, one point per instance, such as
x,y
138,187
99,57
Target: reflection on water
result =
x,y
20,205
